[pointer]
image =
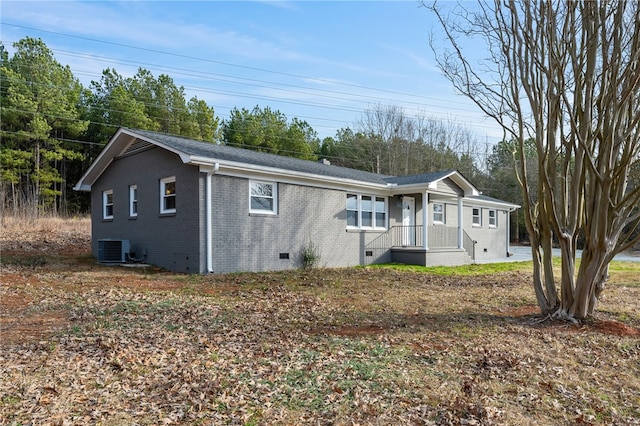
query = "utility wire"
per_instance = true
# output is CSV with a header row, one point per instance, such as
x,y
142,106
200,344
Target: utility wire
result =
x,y
322,91
178,55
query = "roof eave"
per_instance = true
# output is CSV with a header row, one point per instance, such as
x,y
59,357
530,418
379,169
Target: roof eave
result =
x,y
238,168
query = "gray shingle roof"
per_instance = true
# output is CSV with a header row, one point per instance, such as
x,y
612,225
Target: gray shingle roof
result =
x,y
239,155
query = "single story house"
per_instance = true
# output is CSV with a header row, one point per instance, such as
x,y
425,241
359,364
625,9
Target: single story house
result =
x,y
196,207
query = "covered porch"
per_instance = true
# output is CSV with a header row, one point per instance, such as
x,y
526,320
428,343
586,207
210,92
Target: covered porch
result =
x,y
427,228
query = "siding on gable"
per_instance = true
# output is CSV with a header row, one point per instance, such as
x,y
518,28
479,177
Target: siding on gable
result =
x,y
448,186
171,241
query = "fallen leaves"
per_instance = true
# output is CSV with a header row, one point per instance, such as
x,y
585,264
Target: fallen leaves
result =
x,y
348,346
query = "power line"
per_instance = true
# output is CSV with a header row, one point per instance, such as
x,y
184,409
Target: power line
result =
x,y
29,134
197,73
230,108
178,55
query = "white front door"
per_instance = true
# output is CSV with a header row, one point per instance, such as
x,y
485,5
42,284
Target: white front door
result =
x,y
408,221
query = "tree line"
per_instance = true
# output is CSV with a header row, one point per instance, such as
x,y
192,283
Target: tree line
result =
x,y
52,128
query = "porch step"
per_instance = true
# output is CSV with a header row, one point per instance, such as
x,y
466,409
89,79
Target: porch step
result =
x,y
430,257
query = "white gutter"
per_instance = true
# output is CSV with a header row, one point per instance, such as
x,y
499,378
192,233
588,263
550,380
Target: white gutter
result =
x,y
232,167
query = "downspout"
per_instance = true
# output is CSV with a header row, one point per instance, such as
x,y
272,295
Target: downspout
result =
x,y
209,216
460,218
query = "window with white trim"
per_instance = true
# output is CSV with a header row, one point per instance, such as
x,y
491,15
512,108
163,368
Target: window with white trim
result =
x,y
493,218
133,200
263,197
380,208
476,216
352,211
168,195
107,204
438,213
366,212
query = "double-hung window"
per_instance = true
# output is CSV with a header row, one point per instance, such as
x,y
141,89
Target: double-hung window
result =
x,y
353,216
366,212
263,197
380,208
438,213
476,216
133,200
107,204
366,208
493,219
168,195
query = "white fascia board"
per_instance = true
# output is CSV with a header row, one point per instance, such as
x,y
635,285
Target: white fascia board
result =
x,y
418,188
488,203
115,147
463,183
250,171
82,187
103,160
466,186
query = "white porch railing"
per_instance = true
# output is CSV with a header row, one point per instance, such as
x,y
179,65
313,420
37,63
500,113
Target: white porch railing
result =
x,y
412,237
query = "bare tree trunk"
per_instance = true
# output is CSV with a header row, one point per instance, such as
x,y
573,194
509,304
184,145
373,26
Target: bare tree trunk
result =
x,y
566,75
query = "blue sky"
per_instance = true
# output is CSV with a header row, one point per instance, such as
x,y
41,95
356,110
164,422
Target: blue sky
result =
x,y
324,62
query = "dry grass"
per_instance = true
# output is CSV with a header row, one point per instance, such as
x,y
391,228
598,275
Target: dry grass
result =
x,y
46,225
86,344
45,234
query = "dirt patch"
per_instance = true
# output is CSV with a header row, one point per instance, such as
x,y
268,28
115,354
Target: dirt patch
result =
x,y
519,311
614,328
31,328
19,325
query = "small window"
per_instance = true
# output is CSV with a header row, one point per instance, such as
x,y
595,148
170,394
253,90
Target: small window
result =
x,y
133,200
263,197
438,213
476,217
493,218
352,211
168,195
107,204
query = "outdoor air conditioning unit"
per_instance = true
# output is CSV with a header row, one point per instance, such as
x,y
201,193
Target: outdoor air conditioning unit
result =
x,y
113,251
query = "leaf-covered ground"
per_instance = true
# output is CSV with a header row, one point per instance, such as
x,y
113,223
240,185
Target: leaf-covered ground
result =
x,y
87,344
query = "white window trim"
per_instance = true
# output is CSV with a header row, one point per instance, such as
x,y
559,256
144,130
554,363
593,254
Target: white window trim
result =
x,y
274,196
105,195
375,212
444,214
495,218
357,210
133,198
479,216
375,226
163,183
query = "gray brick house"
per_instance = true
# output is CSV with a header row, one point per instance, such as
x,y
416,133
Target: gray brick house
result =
x,y
197,207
